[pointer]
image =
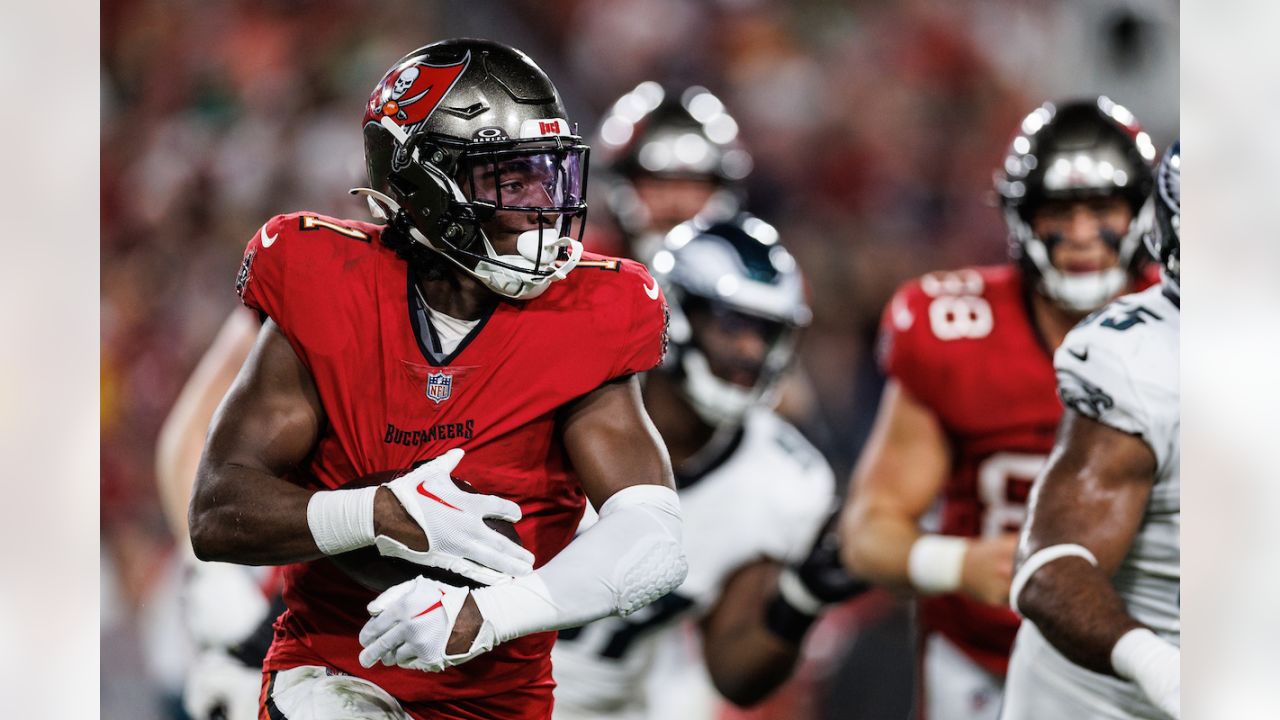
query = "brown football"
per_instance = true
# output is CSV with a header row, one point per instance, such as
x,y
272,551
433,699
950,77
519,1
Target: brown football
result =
x,y
378,572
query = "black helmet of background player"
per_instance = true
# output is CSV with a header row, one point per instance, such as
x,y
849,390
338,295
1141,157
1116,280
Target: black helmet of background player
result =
x,y
1165,240
737,303
669,155
1087,151
465,139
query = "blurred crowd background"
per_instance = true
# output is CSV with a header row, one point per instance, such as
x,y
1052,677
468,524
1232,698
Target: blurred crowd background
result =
x,y
875,128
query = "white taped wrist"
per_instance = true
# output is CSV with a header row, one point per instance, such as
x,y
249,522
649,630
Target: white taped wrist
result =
x,y
517,608
936,563
796,594
342,520
1153,665
1039,559
630,557
1140,653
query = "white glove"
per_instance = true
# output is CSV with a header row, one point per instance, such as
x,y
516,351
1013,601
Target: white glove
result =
x,y
411,626
453,520
216,680
1154,665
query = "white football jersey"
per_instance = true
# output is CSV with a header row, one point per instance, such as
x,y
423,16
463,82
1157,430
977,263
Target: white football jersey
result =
x,y
1118,367
766,498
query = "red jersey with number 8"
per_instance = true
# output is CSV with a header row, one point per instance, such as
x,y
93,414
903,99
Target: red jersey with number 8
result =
x,y
963,343
348,306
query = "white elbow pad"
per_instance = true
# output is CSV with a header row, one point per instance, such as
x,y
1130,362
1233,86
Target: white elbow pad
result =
x,y
630,557
651,562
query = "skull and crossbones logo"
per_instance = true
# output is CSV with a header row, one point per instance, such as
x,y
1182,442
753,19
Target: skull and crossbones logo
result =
x,y
405,80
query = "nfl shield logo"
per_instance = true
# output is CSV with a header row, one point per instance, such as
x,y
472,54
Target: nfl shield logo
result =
x,y
439,385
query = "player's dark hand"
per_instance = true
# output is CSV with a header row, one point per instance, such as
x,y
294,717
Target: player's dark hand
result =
x,y
465,628
391,519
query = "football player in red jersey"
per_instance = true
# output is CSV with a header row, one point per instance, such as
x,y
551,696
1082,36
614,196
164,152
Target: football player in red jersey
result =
x,y
474,322
970,409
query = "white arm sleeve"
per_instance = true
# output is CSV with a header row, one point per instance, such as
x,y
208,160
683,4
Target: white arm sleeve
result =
x,y
632,556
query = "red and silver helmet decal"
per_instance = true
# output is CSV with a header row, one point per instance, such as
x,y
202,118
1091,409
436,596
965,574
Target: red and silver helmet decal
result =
x,y
543,127
410,92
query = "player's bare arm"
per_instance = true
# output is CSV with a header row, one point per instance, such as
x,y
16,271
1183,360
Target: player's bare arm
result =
x,y
1093,493
746,660
182,436
753,635
900,474
613,443
243,510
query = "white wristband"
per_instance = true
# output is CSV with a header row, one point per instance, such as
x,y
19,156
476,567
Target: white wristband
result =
x,y
936,562
342,520
796,594
1153,665
517,608
1039,559
1140,652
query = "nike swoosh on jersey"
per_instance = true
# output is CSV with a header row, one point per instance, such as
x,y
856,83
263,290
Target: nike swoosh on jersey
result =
x,y
423,491
652,292
1081,356
267,240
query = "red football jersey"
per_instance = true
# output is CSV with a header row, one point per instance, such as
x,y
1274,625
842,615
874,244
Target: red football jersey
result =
x,y
346,303
963,344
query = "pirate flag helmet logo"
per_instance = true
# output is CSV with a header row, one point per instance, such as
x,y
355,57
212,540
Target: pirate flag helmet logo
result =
x,y
411,90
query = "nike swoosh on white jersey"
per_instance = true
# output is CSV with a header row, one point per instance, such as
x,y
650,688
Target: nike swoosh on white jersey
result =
x,y
652,292
267,240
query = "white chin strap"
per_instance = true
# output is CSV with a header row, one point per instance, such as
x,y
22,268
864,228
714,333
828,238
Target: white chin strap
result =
x,y
533,246
716,401
537,249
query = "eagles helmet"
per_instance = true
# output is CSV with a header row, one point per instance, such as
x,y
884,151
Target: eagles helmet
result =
x,y
661,133
1075,151
1165,241
724,279
462,133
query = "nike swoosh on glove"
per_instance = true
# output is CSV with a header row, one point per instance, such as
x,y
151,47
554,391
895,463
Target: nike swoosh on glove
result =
x,y
411,625
453,519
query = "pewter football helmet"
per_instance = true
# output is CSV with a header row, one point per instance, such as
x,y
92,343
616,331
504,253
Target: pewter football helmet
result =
x,y
461,131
